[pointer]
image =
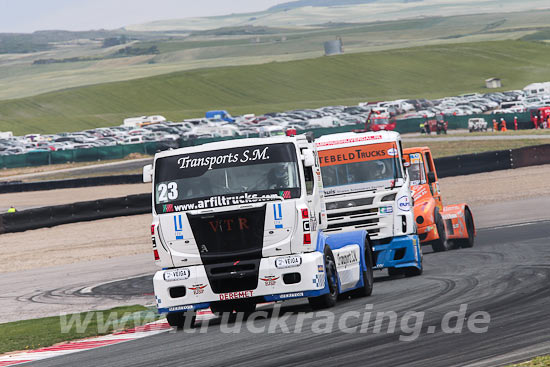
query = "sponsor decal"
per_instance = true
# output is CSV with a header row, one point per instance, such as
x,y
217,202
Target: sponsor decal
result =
x,y
288,262
449,216
168,208
415,158
357,187
154,241
177,274
356,154
278,215
285,194
291,295
319,280
392,152
386,210
379,266
236,295
269,280
180,308
347,258
178,226
218,201
320,268
248,155
418,192
198,288
229,225
349,140
403,203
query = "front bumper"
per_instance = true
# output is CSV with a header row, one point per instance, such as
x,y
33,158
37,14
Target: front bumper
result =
x,y
400,252
271,286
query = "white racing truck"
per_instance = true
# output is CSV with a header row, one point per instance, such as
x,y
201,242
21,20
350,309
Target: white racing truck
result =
x,y
240,222
366,187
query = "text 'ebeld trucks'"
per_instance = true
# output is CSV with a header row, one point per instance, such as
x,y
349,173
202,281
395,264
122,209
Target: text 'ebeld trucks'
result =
x,y
241,222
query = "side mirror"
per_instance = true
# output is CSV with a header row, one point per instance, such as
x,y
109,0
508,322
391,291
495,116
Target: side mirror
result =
x,y
431,177
148,173
309,158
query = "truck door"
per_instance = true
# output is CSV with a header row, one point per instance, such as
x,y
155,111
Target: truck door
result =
x,y
434,186
315,200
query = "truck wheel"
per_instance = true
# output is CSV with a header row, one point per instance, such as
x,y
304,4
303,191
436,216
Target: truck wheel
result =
x,y
468,242
412,271
441,244
327,300
180,320
395,272
368,276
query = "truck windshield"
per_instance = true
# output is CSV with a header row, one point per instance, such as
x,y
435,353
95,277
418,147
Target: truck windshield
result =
x,y
359,168
226,177
416,170
381,121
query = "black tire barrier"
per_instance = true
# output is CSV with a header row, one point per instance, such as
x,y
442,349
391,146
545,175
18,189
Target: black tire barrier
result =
x,y
531,156
18,186
51,216
492,161
473,163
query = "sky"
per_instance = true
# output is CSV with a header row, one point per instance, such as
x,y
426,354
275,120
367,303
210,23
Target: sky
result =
x,y
25,16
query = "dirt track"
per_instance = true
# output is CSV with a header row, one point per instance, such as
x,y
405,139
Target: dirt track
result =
x,y
108,238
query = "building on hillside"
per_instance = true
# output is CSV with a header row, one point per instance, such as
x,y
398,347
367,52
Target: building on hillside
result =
x,y
493,83
334,47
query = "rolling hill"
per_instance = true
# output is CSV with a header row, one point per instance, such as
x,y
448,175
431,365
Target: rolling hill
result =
x,y
429,71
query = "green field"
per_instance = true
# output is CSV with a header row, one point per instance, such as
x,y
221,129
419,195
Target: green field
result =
x,y
429,71
248,44
43,332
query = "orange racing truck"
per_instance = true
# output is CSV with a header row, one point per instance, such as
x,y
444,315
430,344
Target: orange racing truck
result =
x,y
443,227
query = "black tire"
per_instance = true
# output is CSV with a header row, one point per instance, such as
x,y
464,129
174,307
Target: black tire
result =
x,y
368,275
470,227
412,271
441,244
327,300
180,320
395,272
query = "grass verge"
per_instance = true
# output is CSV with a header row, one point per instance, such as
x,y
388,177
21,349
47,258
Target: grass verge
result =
x,y
427,71
543,361
47,331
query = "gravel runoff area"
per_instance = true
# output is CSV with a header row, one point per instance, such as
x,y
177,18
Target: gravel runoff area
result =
x,y
34,199
108,238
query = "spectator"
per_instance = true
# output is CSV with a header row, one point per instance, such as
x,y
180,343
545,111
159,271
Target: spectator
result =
x,y
12,209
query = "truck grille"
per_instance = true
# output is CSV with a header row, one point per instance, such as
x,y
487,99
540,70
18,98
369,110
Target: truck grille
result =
x,y
229,236
353,218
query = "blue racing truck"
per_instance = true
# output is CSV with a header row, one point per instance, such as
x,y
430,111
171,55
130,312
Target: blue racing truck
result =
x,y
366,187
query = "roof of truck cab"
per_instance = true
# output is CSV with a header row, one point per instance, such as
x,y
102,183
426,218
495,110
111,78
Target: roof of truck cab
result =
x,y
416,150
353,139
232,143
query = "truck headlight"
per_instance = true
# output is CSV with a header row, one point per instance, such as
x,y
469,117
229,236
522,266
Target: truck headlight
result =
x,y
390,197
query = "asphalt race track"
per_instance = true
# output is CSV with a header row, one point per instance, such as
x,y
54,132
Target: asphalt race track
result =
x,y
506,274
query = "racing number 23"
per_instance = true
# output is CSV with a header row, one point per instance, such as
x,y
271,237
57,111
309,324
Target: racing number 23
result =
x,y
168,191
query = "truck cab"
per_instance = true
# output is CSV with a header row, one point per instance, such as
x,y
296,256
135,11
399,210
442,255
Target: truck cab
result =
x,y
366,187
241,222
442,227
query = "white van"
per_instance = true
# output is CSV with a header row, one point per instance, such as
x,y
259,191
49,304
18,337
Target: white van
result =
x,y
537,88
